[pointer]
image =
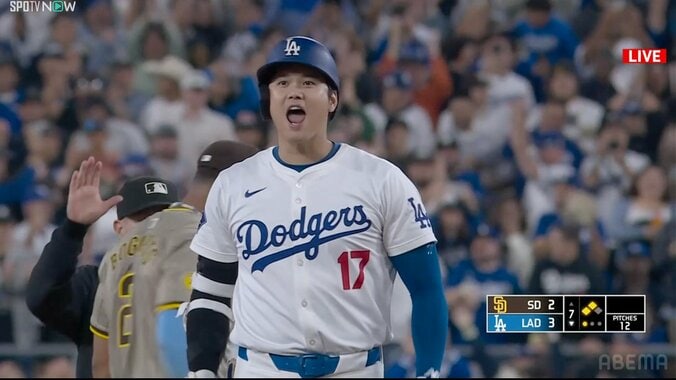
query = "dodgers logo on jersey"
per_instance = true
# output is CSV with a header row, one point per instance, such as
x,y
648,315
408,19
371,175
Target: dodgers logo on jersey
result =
x,y
257,237
420,215
292,47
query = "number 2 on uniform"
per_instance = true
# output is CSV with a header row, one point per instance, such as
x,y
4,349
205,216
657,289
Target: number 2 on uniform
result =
x,y
344,261
125,290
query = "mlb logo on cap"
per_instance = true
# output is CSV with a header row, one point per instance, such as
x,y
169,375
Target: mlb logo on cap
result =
x,y
156,188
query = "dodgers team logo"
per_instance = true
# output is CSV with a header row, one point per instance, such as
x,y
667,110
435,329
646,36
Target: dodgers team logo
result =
x,y
419,214
257,237
292,47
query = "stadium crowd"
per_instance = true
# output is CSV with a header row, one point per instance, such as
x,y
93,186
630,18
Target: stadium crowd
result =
x,y
546,165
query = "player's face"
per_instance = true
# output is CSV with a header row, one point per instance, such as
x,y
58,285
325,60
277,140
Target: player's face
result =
x,y
300,103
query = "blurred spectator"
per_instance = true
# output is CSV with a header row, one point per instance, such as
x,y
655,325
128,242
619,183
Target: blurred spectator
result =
x,y
44,143
397,149
17,188
26,243
519,258
231,93
247,19
667,155
619,26
60,367
453,229
610,170
643,214
24,34
105,135
168,73
10,95
483,273
11,370
583,116
197,125
564,270
478,128
165,158
353,127
461,54
542,168
207,24
644,122
546,40
496,65
100,35
634,263
328,23
53,80
597,85
397,101
428,70
358,83
125,100
6,233
552,120
290,15
465,178
150,43
576,207
250,129
428,174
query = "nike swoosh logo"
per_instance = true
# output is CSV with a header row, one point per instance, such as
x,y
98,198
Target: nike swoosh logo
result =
x,y
248,193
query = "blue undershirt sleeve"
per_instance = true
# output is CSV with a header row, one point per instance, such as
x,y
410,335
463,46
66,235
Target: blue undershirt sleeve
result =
x,y
419,270
171,342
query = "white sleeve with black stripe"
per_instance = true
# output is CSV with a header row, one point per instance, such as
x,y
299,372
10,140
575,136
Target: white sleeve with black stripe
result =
x,y
209,310
209,314
213,239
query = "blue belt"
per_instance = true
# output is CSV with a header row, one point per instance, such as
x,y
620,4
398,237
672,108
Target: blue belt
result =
x,y
311,365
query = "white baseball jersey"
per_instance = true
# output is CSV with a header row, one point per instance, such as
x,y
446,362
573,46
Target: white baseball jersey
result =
x,y
313,249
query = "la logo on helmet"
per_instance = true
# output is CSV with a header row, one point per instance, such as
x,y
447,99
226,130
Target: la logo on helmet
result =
x,y
292,48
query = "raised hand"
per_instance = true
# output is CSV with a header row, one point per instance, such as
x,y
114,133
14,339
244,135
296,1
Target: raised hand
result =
x,y
85,205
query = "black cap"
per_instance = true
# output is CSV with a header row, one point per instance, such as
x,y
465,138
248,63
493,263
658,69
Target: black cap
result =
x,y
141,193
165,130
221,155
539,5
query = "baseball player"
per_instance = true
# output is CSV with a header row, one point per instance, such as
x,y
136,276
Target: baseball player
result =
x,y
112,314
152,338
309,234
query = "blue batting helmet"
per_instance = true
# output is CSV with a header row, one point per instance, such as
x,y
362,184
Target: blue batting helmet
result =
x,y
296,50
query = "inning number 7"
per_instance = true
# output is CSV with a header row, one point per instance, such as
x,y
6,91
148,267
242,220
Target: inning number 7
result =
x,y
343,260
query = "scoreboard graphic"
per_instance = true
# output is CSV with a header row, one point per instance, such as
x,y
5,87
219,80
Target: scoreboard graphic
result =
x,y
565,313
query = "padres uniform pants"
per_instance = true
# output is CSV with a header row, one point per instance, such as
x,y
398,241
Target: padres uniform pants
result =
x,y
365,364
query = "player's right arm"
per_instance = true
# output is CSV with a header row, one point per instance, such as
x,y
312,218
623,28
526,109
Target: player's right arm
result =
x,y
57,293
100,360
99,326
209,312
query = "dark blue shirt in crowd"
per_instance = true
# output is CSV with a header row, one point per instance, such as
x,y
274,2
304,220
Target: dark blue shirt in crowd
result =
x,y
500,281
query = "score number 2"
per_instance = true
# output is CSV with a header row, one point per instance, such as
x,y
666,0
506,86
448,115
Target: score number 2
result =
x,y
344,261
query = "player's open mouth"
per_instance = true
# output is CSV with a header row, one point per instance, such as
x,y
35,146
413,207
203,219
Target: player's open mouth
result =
x,y
295,115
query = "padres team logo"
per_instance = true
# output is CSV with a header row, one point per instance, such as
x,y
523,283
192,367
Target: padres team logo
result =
x,y
500,305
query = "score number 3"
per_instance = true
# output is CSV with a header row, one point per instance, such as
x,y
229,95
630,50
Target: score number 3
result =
x,y
344,261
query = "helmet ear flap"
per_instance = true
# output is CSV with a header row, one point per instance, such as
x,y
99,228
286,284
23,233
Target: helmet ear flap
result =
x,y
265,102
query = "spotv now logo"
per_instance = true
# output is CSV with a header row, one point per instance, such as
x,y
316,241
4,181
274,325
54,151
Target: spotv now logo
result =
x,y
643,56
55,6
